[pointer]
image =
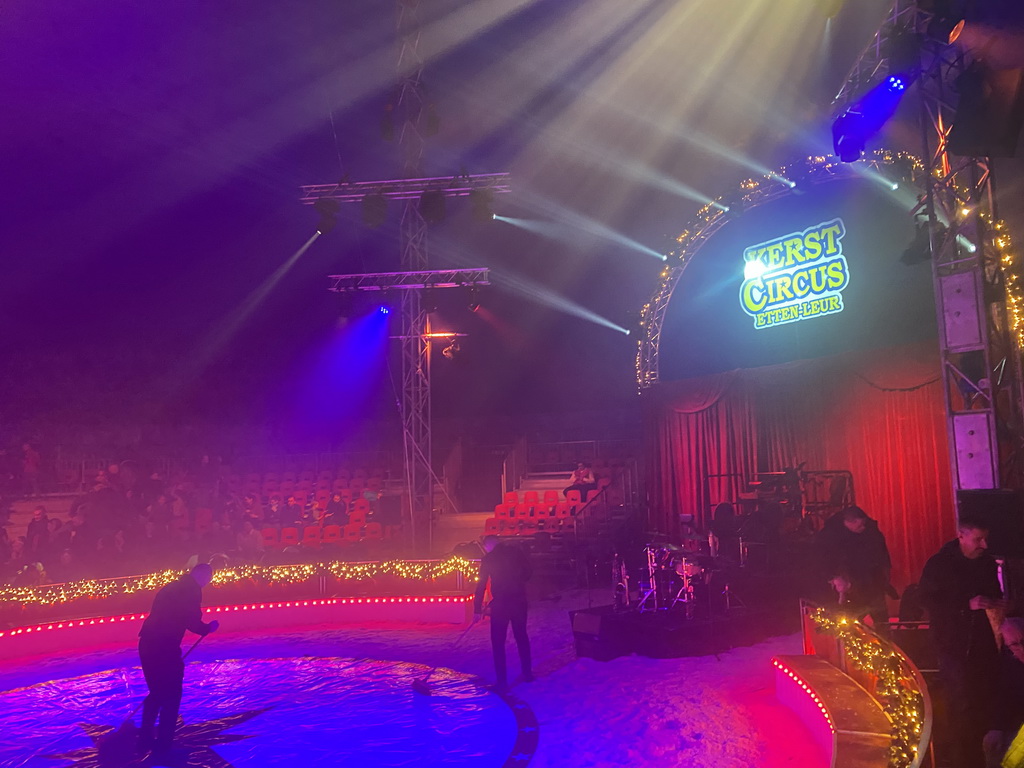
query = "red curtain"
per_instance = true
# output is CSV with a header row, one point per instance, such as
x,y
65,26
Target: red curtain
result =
x,y
879,414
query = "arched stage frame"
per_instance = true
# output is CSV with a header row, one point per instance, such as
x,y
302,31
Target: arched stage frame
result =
x,y
883,166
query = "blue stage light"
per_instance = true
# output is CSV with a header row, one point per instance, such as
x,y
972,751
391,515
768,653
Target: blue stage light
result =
x,y
862,120
384,309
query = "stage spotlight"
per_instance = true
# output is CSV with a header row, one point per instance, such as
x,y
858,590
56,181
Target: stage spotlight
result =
x,y
384,309
852,129
432,206
481,202
328,209
375,210
754,269
474,298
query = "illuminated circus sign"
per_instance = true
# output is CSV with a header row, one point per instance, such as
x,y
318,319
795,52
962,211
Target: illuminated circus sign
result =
x,y
795,277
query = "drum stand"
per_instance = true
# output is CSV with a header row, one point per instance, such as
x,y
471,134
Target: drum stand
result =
x,y
652,585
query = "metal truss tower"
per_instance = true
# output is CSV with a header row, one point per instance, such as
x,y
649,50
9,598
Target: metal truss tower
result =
x,y
980,352
412,116
415,405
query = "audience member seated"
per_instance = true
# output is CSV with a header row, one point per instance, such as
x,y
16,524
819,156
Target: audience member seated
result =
x,y
37,537
65,569
582,480
249,543
337,510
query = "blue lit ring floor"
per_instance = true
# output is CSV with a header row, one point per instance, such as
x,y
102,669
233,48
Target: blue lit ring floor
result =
x,y
298,711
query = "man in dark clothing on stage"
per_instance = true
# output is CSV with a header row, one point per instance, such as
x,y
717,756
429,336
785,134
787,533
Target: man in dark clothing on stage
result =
x,y
854,559
958,585
508,569
176,607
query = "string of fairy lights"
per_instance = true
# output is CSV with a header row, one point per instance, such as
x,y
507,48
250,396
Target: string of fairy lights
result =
x,y
418,570
885,165
896,688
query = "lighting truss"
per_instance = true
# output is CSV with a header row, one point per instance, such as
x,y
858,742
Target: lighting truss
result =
x,y
387,281
980,348
406,189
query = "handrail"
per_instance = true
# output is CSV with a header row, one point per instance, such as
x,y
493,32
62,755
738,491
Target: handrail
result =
x,y
867,657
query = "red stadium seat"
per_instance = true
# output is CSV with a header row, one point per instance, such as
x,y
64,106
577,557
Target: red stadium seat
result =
x,y
511,497
339,484
361,505
491,526
311,537
524,511
289,537
573,497
531,497
550,497
374,531
331,535
357,517
352,533
270,538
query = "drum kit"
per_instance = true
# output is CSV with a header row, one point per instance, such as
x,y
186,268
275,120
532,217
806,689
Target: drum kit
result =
x,y
670,578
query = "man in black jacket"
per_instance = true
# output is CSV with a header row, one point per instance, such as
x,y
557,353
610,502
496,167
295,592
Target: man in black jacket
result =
x,y
958,585
854,559
176,607
508,569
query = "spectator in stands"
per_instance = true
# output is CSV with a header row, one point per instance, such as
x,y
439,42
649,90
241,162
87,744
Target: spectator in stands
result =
x,y
31,469
958,586
37,536
65,569
1009,710
275,514
582,480
252,509
83,534
159,511
17,558
507,568
58,539
293,512
249,543
854,559
337,510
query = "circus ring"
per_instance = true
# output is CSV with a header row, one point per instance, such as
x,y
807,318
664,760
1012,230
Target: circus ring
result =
x,y
252,701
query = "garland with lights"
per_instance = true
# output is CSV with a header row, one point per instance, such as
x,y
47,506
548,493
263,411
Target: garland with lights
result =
x,y
57,594
895,688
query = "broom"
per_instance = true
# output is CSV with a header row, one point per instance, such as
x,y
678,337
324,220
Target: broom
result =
x,y
117,747
419,685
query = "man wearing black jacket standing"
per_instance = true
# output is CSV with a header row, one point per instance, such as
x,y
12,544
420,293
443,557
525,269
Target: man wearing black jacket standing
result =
x,y
508,569
176,608
958,585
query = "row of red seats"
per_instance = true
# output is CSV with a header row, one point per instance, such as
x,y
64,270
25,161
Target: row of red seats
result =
x,y
500,526
268,488
315,536
551,497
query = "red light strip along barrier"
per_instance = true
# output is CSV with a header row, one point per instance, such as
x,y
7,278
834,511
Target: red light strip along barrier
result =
x,y
808,690
72,623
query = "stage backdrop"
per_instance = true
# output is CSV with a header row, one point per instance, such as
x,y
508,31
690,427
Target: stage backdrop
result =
x,y
821,351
